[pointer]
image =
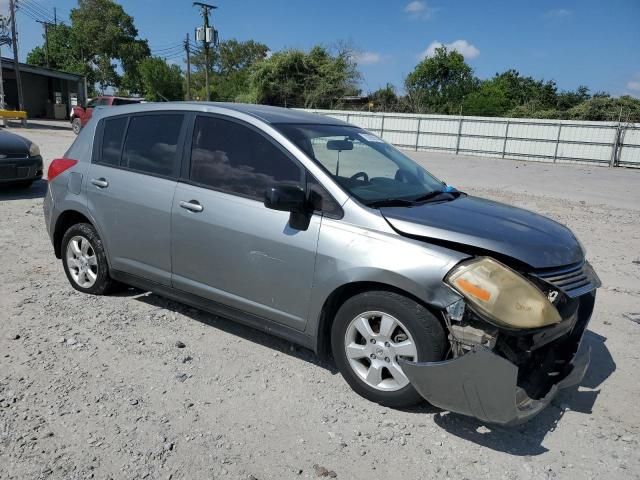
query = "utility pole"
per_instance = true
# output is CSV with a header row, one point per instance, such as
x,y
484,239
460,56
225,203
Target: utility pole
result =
x,y
55,16
14,40
206,39
4,40
187,47
46,26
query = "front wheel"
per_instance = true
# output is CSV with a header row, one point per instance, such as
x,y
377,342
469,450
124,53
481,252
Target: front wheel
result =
x,y
372,331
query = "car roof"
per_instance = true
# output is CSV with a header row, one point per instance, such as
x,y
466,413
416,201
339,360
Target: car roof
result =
x,y
266,113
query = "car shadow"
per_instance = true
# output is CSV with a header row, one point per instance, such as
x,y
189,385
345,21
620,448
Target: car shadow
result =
x,y
234,328
526,439
522,440
39,124
37,190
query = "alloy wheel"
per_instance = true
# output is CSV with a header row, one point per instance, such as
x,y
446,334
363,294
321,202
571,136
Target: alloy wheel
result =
x,y
374,342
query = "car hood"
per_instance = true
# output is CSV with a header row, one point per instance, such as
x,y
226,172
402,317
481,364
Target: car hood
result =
x,y
490,226
11,143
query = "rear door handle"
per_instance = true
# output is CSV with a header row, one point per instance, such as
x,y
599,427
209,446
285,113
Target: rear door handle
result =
x,y
100,182
192,206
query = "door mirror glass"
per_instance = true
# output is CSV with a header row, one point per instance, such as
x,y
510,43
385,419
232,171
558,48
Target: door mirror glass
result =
x,y
286,198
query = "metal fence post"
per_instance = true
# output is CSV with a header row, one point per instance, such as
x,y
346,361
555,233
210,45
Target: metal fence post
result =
x,y
382,127
459,134
555,153
506,136
418,133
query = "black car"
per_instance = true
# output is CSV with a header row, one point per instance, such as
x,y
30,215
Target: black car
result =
x,y
20,161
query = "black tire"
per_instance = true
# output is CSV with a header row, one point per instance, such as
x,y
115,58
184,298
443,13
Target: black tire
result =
x,y
76,125
425,329
103,283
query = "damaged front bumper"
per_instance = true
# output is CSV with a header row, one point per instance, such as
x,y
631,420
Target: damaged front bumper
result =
x,y
484,385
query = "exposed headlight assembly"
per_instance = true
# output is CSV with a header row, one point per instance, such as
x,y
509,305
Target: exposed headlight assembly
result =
x,y
502,295
34,150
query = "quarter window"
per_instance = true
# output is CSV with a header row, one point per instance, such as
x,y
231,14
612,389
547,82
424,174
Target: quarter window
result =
x,y
233,158
112,140
152,142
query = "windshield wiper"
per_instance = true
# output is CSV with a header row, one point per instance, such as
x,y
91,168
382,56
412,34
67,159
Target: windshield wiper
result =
x,y
390,202
431,196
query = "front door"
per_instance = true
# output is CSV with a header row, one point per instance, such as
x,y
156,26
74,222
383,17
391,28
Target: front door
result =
x,y
226,245
130,191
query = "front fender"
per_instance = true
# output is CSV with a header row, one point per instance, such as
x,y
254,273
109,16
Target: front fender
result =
x,y
349,254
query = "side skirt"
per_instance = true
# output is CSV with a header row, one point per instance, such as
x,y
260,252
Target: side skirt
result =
x,y
248,319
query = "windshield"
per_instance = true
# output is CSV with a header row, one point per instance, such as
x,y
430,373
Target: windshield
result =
x,y
368,168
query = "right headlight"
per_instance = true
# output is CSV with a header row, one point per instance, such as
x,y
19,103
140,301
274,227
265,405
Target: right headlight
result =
x,y
502,295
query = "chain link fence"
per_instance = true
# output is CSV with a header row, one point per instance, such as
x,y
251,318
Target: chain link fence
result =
x,y
555,141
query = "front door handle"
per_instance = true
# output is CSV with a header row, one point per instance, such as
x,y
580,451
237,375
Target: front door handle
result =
x,y
100,182
192,206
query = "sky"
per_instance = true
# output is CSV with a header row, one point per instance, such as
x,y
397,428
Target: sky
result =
x,y
580,42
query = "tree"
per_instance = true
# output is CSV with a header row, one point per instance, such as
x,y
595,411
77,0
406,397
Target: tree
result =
x,y
230,67
317,79
160,81
440,82
385,99
100,42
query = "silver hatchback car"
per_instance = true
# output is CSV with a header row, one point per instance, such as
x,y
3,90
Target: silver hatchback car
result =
x,y
318,231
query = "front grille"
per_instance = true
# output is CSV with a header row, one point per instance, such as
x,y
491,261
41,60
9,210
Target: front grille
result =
x,y
13,156
573,281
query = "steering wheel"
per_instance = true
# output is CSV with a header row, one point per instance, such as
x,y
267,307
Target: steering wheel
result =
x,y
364,176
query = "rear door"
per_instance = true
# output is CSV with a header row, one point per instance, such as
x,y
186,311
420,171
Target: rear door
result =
x,y
130,191
227,246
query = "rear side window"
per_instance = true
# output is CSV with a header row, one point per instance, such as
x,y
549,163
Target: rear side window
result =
x,y
114,129
234,158
151,144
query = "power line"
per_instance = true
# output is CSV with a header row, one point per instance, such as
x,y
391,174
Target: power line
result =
x,y
37,10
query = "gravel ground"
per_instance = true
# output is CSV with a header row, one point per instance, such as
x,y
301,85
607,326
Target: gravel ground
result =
x,y
135,386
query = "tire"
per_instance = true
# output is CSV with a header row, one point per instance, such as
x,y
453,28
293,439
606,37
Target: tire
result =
x,y
76,125
413,324
84,274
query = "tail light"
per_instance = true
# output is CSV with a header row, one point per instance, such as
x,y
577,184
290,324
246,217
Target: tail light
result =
x,y
58,166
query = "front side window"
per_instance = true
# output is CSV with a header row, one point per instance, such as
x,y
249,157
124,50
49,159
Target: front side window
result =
x,y
151,143
365,166
112,136
233,158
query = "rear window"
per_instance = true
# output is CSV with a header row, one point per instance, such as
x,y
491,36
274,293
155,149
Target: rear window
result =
x,y
151,144
124,101
112,136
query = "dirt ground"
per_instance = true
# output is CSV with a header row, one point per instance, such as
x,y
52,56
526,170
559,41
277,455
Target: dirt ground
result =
x,y
101,387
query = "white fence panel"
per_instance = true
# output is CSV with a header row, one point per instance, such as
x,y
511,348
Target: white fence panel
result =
x,y
601,143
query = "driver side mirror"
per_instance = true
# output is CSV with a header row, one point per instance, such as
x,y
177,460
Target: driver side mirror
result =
x,y
286,198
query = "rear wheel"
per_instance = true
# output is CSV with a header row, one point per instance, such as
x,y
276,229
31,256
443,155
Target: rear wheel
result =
x,y
372,331
76,125
85,261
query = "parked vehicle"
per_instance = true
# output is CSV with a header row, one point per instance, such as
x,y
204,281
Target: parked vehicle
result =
x,y
318,231
79,115
20,160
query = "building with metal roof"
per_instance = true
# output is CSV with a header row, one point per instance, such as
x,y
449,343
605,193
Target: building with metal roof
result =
x,y
47,93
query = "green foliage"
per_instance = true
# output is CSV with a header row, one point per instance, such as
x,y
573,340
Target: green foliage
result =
x,y
385,99
625,108
161,81
295,78
229,69
101,40
439,83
